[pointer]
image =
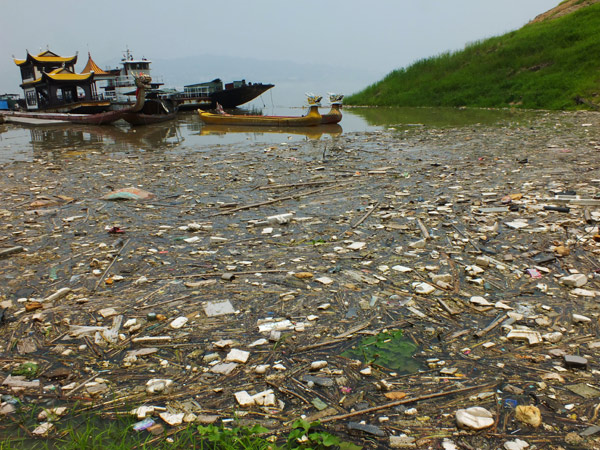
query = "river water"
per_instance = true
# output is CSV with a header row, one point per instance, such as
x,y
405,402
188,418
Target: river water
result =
x,y
24,143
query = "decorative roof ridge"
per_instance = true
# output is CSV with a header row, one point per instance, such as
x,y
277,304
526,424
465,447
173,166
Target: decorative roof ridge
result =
x,y
91,66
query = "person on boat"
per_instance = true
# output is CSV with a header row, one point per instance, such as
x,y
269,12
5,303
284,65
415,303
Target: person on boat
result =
x,y
220,110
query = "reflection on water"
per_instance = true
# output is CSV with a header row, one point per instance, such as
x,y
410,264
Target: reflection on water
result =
x,y
333,130
438,117
187,130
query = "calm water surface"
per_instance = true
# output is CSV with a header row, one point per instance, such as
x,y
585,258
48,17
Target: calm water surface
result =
x,y
24,143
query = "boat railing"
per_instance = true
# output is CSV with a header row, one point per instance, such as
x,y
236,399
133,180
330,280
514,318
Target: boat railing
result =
x,y
193,94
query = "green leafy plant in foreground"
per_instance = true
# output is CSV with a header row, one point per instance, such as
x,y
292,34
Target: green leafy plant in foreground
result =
x,y
234,438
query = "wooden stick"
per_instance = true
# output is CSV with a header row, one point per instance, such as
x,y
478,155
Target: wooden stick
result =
x,y
363,218
491,326
423,228
275,200
308,183
110,265
11,250
403,402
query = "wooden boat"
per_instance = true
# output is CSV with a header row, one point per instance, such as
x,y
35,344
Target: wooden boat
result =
x,y
311,119
107,117
335,114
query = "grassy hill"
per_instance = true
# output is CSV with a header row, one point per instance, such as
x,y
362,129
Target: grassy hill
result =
x,y
546,64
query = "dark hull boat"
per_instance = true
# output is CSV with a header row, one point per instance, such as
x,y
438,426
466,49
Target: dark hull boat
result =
x,y
230,95
236,96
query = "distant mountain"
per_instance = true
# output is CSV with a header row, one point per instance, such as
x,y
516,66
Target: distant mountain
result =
x,y
550,63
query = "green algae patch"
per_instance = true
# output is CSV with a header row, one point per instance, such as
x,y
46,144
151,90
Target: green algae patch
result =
x,y
391,350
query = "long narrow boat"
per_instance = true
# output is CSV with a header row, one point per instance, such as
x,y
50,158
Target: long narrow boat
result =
x,y
311,119
335,114
107,117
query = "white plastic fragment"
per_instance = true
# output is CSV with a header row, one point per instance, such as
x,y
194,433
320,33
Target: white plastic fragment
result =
x,y
553,337
265,398
578,318
518,224
43,429
357,245
517,444
142,412
157,385
474,418
523,333
172,419
583,292
244,399
107,312
212,309
447,444
316,365
262,369
258,342
575,280
239,356
268,325
58,294
477,300
423,288
324,280
179,322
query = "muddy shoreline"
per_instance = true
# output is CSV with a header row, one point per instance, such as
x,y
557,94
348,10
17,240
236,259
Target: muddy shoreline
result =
x,y
441,233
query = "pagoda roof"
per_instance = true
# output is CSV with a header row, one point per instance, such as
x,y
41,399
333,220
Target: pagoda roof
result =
x,y
46,57
91,66
62,75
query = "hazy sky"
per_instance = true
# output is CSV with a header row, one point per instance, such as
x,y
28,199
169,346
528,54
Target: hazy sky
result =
x,y
379,34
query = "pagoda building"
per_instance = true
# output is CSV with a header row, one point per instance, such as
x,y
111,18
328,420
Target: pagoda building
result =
x,y
50,83
104,80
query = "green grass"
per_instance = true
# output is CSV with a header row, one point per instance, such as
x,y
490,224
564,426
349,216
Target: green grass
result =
x,y
543,65
92,432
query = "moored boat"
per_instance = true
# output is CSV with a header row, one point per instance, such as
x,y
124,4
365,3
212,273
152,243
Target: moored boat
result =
x,y
335,114
102,118
230,95
312,118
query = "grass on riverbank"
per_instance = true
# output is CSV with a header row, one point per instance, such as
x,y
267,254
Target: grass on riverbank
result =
x,y
543,65
94,433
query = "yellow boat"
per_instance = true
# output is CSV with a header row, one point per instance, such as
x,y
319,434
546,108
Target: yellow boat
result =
x,y
313,118
335,114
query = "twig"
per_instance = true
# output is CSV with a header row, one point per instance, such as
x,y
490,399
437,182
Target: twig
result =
x,y
423,228
403,402
284,186
363,218
491,326
275,200
288,392
80,385
110,265
337,339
